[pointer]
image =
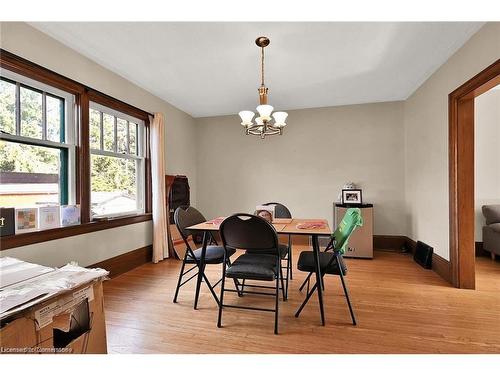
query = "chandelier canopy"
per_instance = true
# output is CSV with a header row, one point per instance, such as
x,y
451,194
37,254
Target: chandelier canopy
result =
x,y
267,122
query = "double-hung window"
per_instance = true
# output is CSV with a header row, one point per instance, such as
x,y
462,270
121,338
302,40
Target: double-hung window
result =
x,y
37,143
117,165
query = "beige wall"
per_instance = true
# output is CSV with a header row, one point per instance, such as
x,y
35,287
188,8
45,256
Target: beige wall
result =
x,y
487,154
305,169
27,42
426,138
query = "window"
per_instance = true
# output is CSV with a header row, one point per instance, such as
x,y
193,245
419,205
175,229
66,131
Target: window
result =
x,y
64,143
37,150
117,162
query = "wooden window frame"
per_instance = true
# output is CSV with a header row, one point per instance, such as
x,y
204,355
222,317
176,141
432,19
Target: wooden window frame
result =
x,y
83,95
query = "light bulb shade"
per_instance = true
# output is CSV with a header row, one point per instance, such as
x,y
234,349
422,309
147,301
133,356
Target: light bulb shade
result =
x,y
258,121
246,117
280,118
265,111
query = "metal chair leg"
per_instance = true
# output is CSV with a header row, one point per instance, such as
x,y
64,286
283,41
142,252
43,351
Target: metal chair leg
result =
x,y
282,283
221,300
346,292
306,281
180,279
309,294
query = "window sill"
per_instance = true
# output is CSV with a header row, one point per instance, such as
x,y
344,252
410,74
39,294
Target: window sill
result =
x,y
23,239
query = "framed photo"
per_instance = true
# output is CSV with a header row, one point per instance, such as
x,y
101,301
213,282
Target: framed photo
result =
x,y
49,217
70,215
265,212
26,220
351,196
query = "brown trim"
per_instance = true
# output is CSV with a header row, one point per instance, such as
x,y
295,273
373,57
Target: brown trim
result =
x,y
461,172
108,101
388,242
126,262
83,158
29,69
439,265
442,267
23,239
148,204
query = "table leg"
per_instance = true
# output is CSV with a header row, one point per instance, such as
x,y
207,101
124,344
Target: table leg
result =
x,y
201,269
319,279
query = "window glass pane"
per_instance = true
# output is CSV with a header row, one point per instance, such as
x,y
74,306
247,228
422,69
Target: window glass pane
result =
x,y
55,118
133,138
114,185
31,113
29,175
108,123
121,135
95,129
7,107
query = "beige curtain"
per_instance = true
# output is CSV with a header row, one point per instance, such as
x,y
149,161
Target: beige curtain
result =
x,y
160,243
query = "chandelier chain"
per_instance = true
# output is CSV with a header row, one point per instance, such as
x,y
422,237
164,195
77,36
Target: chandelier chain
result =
x,y
262,65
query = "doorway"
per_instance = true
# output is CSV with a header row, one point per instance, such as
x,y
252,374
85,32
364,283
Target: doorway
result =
x,y
461,172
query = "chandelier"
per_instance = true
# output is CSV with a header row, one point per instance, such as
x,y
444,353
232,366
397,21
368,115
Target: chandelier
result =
x,y
267,122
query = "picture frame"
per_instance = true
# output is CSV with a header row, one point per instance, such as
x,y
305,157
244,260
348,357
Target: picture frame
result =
x,y
352,196
49,217
265,212
70,215
26,220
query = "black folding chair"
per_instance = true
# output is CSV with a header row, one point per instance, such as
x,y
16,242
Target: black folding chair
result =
x,y
281,212
185,217
331,261
250,232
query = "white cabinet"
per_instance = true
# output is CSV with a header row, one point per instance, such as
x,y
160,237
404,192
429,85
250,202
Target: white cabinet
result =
x,y
361,241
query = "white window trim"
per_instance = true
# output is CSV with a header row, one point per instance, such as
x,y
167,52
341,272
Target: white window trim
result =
x,y
139,158
70,124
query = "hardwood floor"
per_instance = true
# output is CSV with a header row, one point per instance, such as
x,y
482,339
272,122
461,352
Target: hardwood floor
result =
x,y
400,308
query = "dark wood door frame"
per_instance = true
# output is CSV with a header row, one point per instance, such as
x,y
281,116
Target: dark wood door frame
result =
x,y
461,173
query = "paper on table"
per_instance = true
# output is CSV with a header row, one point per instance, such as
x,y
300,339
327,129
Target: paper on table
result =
x,y
27,293
13,271
318,224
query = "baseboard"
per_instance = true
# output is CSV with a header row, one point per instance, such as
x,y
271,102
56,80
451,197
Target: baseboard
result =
x,y
387,242
442,267
126,262
439,265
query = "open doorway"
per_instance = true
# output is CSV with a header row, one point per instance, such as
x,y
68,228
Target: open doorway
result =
x,y
461,174
487,188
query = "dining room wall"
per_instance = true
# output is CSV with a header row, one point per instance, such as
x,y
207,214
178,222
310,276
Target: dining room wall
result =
x,y
35,46
305,169
426,138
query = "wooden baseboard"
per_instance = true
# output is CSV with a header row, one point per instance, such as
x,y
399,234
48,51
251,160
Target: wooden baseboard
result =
x,y
386,242
439,265
442,267
126,262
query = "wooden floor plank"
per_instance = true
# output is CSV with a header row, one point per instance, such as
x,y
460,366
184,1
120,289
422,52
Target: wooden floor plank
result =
x,y
400,307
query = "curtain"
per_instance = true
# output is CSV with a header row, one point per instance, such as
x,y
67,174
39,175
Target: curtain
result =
x,y
160,243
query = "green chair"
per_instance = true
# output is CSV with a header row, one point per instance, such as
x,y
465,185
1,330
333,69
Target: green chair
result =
x,y
331,262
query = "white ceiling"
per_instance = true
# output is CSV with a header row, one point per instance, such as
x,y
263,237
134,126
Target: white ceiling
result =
x,y
209,69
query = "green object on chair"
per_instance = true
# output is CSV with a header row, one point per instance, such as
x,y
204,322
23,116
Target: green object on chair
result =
x,y
350,221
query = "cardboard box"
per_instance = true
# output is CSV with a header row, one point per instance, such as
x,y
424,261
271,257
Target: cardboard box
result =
x,y
71,322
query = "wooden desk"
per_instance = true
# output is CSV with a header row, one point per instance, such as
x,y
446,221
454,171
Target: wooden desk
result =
x,y
282,227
